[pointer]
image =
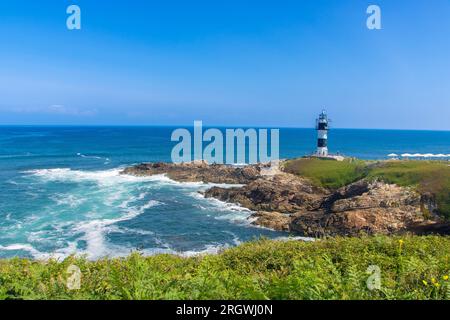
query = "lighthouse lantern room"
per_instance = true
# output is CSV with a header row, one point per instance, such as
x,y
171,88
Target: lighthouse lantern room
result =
x,y
322,128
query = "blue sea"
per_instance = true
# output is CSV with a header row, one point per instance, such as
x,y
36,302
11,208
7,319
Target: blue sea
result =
x,y
62,194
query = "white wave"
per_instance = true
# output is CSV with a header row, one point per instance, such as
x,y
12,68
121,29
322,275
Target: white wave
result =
x,y
200,185
141,209
227,211
38,236
208,249
218,204
103,177
197,195
163,178
67,200
13,182
31,195
21,247
91,157
289,238
112,251
95,230
119,198
36,254
124,204
114,177
217,248
238,217
125,230
116,195
423,155
236,240
222,205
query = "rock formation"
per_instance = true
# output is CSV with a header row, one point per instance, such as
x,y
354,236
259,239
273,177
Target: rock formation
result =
x,y
286,202
198,171
370,207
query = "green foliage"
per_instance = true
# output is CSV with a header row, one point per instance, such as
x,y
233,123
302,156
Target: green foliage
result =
x,y
411,267
431,177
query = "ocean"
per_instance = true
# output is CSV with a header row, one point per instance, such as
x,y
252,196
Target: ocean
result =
x,y
62,194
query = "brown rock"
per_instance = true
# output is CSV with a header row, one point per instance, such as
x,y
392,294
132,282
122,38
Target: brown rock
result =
x,y
198,172
287,202
363,207
282,193
272,220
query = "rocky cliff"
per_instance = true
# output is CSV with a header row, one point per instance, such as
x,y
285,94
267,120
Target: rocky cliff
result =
x,y
283,201
370,207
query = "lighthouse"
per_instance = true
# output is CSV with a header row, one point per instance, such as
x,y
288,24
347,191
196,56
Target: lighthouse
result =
x,y
322,135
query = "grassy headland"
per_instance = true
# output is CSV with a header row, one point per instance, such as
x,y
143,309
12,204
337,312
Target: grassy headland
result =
x,y
431,177
411,267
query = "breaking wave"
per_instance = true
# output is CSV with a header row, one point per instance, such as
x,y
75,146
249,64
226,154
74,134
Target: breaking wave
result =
x,y
105,213
420,155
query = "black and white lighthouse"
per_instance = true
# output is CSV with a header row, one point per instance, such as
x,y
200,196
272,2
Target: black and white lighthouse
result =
x,y
322,135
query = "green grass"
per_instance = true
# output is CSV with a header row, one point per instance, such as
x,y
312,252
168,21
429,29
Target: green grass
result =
x,y
426,176
328,173
411,267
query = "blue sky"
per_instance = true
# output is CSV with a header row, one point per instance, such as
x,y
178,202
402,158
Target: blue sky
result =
x,y
232,63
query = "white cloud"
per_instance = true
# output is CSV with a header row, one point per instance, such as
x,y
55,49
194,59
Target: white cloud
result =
x,y
57,109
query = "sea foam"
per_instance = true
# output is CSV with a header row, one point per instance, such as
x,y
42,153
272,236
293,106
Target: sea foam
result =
x,y
89,206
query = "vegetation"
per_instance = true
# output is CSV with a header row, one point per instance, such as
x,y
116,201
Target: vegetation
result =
x,y
431,177
411,267
427,176
328,173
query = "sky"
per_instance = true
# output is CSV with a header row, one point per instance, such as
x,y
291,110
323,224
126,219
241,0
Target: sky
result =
x,y
226,63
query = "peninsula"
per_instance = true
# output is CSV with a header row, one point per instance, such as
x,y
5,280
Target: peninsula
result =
x,y
322,197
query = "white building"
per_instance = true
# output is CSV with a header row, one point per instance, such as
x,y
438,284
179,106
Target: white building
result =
x,y
322,135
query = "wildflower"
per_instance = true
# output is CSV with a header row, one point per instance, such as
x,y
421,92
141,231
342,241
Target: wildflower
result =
x,y
400,244
424,282
437,285
433,280
445,277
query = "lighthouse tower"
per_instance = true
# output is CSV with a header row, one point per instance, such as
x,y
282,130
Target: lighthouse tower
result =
x,y
322,135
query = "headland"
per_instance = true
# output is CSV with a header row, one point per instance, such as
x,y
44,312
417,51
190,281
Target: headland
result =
x,y
321,197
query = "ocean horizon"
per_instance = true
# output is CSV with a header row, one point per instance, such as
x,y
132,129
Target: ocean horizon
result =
x,y
62,193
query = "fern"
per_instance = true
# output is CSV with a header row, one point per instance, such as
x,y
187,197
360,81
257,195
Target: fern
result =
x,y
326,269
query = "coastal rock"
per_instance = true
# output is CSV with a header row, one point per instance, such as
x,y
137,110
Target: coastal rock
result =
x,y
272,220
282,193
373,208
198,171
286,202
365,195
